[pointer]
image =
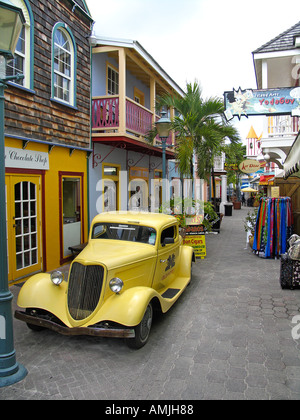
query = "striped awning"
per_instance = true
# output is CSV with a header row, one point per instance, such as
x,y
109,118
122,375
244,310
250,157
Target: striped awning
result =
x,y
292,163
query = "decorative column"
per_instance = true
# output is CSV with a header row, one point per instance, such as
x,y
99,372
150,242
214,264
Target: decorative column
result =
x,y
224,193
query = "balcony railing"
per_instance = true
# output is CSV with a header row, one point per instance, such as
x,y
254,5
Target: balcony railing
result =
x,y
283,126
106,117
105,114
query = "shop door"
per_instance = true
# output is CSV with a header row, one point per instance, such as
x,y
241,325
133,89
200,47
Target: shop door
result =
x,y
111,187
23,226
72,208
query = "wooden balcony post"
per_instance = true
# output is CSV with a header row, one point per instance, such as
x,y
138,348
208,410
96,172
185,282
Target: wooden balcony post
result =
x,y
153,98
122,91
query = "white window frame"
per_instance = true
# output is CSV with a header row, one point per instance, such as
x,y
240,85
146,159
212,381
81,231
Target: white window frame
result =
x,y
28,55
66,77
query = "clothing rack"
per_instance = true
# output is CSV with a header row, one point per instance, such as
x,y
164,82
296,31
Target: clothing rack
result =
x,y
273,227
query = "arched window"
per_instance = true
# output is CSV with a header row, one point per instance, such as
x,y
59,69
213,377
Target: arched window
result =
x,y
24,53
63,65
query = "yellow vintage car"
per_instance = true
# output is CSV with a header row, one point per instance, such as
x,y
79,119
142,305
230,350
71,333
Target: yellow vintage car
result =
x,y
133,264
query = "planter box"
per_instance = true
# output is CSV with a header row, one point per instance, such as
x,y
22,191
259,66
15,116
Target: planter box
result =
x,y
237,205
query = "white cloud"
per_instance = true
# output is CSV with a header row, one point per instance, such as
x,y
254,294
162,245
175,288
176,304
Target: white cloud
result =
x,y
203,40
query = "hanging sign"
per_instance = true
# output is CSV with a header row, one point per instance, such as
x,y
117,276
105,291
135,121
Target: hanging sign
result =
x,y
26,159
249,166
231,166
249,102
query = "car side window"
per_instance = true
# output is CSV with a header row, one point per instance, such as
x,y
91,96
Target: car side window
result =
x,y
170,232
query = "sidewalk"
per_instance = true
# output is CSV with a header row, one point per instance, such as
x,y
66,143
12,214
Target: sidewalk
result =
x,y
228,337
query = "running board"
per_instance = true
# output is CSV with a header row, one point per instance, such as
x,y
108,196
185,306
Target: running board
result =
x,y
170,293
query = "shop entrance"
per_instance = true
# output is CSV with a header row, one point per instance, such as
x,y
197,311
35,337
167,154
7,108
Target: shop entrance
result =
x,y
111,180
71,199
23,225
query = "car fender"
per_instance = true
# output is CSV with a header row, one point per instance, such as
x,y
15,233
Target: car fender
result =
x,y
187,256
126,308
40,292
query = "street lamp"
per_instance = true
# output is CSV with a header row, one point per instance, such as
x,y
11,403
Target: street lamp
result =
x,y
163,127
11,22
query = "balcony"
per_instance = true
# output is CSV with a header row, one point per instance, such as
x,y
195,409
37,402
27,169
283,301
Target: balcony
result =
x,y
283,126
106,119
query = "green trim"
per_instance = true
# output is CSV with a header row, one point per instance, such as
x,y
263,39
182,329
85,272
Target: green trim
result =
x,y
86,12
27,4
65,27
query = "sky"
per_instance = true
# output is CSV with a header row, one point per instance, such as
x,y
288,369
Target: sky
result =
x,y
208,41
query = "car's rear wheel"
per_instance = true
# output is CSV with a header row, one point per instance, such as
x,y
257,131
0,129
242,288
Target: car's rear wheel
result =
x,y
142,331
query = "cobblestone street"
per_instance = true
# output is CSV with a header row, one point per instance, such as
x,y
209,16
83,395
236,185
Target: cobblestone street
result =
x,y
228,337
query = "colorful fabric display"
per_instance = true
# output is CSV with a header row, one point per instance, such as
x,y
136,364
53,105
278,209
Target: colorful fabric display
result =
x,y
273,227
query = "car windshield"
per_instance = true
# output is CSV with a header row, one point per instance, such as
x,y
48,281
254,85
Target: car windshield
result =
x,y
121,232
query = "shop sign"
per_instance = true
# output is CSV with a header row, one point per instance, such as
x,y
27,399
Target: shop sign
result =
x,y
26,159
249,102
231,166
197,242
249,166
266,180
275,192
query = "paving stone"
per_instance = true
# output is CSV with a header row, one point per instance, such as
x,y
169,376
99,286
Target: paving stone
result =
x,y
228,337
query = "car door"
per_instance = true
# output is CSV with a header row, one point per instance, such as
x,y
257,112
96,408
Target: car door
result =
x,y
167,257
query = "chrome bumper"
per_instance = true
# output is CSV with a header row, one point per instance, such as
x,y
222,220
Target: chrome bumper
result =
x,y
64,330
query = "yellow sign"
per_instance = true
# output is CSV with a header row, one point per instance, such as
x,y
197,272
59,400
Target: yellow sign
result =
x,y
249,166
198,243
275,192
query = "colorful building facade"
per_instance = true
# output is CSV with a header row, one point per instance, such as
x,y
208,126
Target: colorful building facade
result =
x,y
125,169
47,137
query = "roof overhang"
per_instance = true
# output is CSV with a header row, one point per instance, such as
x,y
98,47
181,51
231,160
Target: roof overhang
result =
x,y
142,54
129,144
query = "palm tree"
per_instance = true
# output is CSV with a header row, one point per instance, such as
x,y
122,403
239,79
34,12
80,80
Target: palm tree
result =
x,y
201,129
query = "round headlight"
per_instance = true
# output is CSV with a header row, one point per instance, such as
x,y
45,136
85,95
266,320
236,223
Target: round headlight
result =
x,y
57,277
116,285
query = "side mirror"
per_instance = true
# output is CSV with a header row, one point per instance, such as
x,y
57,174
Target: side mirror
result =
x,y
168,241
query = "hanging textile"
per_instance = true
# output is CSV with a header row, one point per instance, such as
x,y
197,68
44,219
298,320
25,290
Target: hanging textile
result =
x,y
273,227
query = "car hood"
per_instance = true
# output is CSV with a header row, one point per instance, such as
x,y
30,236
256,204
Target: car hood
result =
x,y
114,253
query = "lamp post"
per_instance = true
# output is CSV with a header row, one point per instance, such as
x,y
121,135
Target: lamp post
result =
x,y
11,22
163,127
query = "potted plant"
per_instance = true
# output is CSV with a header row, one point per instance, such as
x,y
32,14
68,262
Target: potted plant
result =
x,y
188,208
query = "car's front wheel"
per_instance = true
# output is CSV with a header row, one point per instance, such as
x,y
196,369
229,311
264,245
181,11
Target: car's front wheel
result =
x,y
142,331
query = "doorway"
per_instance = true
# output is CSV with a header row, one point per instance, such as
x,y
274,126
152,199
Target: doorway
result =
x,y
71,199
23,203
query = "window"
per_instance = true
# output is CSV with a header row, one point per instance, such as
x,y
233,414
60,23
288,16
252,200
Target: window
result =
x,y
16,65
63,76
139,97
132,233
22,63
112,81
170,232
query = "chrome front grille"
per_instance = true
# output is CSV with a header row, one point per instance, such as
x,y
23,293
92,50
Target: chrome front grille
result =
x,y
84,290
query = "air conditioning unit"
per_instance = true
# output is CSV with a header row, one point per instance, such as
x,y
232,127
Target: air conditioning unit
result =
x,y
297,41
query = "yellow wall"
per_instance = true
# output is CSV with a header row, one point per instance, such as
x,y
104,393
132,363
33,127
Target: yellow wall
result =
x,y
59,160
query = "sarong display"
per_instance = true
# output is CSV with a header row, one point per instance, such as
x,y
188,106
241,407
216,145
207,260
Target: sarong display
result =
x,y
273,227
